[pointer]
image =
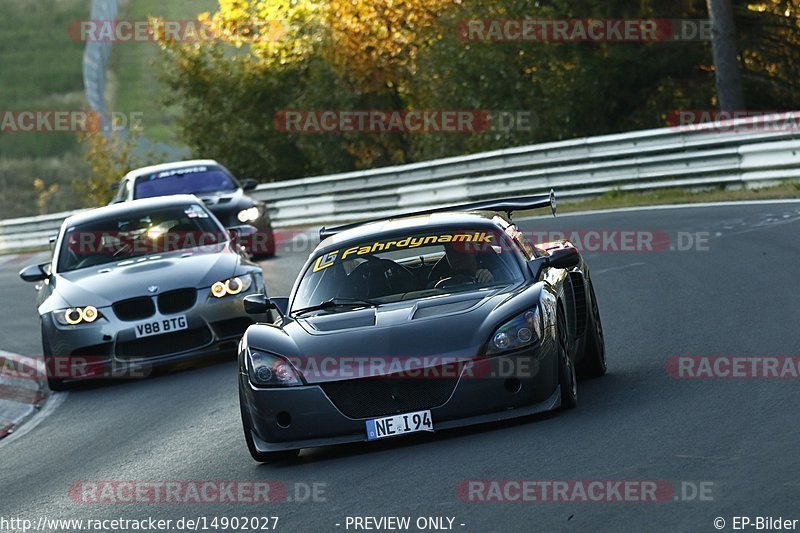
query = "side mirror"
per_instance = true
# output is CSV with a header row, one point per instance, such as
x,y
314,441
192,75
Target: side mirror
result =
x,y
257,304
35,272
249,184
564,258
240,233
536,265
281,305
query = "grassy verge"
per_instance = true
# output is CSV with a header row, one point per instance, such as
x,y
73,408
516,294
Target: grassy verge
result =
x,y
134,79
41,70
617,199
19,198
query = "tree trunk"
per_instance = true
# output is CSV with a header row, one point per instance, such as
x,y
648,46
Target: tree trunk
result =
x,y
723,34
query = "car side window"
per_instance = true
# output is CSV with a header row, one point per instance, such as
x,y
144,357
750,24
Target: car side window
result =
x,y
521,243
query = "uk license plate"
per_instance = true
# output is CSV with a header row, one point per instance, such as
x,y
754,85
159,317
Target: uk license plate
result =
x,y
161,326
391,426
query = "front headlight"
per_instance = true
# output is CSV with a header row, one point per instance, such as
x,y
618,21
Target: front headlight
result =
x,y
267,370
249,215
522,330
77,315
232,286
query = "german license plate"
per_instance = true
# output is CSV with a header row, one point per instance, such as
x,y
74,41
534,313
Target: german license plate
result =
x,y
391,426
161,326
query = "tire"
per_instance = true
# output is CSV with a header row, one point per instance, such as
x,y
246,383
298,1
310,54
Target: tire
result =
x,y
261,457
593,363
54,384
567,379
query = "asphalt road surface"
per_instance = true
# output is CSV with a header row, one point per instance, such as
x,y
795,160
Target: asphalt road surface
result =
x,y
726,447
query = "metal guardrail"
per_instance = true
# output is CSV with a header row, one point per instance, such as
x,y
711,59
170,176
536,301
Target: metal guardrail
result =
x,y
669,157
724,154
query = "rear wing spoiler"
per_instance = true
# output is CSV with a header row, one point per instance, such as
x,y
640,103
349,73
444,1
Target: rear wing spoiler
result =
x,y
503,205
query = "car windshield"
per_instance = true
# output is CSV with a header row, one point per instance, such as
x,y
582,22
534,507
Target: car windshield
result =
x,y
406,267
199,179
138,234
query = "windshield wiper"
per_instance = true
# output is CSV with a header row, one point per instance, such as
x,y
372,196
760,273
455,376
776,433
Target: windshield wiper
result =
x,y
338,302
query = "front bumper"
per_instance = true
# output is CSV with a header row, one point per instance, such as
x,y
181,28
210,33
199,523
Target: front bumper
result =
x,y
484,392
110,348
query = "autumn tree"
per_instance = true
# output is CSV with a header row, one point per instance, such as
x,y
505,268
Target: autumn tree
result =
x,y
110,156
44,193
769,45
406,55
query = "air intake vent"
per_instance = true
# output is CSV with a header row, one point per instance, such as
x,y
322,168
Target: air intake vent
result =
x,y
579,293
135,308
395,393
176,301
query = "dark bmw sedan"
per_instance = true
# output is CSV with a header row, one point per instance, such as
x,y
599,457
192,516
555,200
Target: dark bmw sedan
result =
x,y
212,183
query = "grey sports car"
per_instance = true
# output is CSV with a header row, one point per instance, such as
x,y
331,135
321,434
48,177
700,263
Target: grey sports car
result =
x,y
419,322
140,284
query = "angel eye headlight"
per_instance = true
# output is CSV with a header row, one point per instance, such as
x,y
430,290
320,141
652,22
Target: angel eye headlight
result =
x,y
522,330
77,315
234,285
89,313
231,286
248,215
218,289
73,316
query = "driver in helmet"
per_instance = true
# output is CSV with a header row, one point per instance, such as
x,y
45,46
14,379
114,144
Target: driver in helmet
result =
x,y
464,262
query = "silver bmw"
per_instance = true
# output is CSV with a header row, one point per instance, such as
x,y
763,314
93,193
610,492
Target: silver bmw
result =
x,y
136,285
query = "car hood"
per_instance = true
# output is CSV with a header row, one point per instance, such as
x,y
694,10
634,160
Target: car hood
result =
x,y
432,331
226,205
105,284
